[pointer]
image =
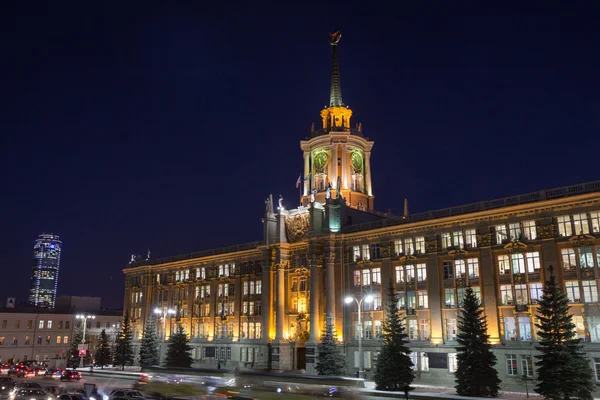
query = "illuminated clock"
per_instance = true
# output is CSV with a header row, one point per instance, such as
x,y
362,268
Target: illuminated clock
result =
x,y
357,161
320,161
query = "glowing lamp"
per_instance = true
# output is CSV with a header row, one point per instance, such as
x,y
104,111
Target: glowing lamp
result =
x,y
348,300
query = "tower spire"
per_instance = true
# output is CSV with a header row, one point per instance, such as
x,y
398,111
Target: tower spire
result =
x,y
335,96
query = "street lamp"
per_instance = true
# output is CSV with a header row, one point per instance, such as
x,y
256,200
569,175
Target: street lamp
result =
x,y
359,298
163,314
83,346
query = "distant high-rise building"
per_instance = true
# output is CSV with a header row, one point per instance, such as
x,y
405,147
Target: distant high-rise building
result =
x,y
44,276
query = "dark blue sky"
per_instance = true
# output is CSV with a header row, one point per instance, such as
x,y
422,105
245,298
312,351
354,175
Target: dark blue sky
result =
x,y
131,127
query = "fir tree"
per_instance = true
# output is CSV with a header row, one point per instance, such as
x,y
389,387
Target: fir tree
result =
x,y
393,367
103,353
149,347
563,369
330,359
124,349
73,360
178,352
475,374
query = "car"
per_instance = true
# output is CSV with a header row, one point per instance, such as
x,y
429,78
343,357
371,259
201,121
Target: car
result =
x,y
27,385
125,394
72,396
31,394
40,371
4,368
6,386
26,373
52,373
70,375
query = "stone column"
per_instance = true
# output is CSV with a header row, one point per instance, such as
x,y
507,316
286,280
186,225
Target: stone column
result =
x,y
345,172
435,290
330,286
334,165
306,172
280,299
315,332
488,282
266,302
368,174
238,304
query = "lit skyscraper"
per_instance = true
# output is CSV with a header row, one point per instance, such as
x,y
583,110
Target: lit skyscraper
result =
x,y
44,276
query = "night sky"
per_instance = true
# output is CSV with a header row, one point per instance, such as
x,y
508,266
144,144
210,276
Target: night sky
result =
x,y
134,127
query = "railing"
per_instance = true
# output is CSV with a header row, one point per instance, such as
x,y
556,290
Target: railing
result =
x,y
198,254
550,194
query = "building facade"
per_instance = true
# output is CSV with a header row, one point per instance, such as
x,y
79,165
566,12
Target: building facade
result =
x,y
264,304
44,274
46,336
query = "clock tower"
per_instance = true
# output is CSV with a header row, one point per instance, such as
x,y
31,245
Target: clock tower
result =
x,y
337,157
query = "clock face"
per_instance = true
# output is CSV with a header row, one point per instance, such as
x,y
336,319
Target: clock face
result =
x,y
320,161
357,161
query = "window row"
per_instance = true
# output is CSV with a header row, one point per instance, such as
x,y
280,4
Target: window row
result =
x,y
461,268
413,300
409,246
251,330
578,224
455,297
512,365
42,324
524,230
252,287
459,239
519,263
40,340
410,273
520,294
582,257
251,308
366,277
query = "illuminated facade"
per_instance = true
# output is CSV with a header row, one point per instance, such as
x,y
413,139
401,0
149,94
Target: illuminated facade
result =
x,y
44,274
264,304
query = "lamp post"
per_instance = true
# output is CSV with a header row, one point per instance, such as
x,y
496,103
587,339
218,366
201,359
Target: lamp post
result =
x,y
163,314
83,317
359,298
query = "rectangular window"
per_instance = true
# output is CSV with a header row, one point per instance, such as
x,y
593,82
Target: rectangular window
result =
x,y
529,230
518,263
446,240
457,240
409,247
26,340
65,340
535,292
503,265
258,287
355,253
460,268
410,273
423,299
41,324
510,330
378,329
368,325
471,238
564,226
572,289
511,365
366,277
357,277
245,288
521,294
451,329
533,261
376,274
527,366
477,292
30,324
580,224
398,249
449,298
302,284
58,339
597,368
401,301
4,323
590,291
595,217
569,259
460,296
366,252
452,362
420,244
448,269
399,275
424,329
525,328
421,272
514,231
375,251
594,329
413,332
501,233
506,294
586,258
473,267
67,324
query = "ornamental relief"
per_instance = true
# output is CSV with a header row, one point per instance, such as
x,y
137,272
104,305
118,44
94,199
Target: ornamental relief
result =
x,y
484,239
431,246
546,231
296,226
582,241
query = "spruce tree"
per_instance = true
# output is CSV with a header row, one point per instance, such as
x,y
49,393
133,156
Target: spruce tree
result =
x,y
563,369
476,374
73,360
393,367
149,346
124,349
178,352
330,359
103,353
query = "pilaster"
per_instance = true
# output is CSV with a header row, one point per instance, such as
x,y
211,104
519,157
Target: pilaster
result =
x,y
488,279
435,289
368,175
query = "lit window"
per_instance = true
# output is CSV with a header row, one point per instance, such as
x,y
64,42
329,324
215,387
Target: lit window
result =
x,y
421,272
355,253
518,263
413,332
446,240
376,274
258,287
460,296
473,267
449,298
366,252
448,270
452,362
368,329
535,292
597,368
460,268
41,324
529,230
594,328
511,365
595,217
65,340
527,366
399,275
457,240
471,238
564,225
424,329
514,231
409,247
533,261
580,224
378,329
586,258
506,294
398,249
590,291
525,328
572,289
510,330
423,299
521,294
366,277
401,301
410,273
451,329
420,244
501,233
58,339
568,259
504,265
357,277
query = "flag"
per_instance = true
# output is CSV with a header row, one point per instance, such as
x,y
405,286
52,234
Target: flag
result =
x,y
299,181
308,177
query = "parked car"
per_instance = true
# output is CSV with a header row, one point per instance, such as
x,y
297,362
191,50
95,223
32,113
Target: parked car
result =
x,y
70,376
125,393
6,386
27,385
26,373
31,394
72,396
52,373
